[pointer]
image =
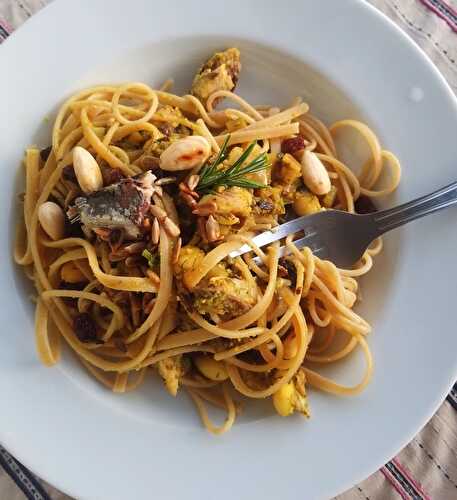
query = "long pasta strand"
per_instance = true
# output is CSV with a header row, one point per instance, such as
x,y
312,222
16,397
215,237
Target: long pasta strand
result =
x,y
143,325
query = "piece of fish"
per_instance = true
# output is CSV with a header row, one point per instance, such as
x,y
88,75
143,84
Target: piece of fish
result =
x,y
122,205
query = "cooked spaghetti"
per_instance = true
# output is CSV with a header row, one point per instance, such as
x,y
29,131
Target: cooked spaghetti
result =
x,y
129,220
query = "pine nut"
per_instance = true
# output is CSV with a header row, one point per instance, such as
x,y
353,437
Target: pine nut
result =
x,y
153,277
201,225
135,248
205,209
165,180
158,212
190,202
171,228
212,229
176,251
155,232
193,181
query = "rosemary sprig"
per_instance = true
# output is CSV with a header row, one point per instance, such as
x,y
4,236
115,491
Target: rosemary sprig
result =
x,y
152,259
235,175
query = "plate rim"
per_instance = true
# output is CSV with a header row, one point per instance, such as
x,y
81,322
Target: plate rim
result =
x,y
33,22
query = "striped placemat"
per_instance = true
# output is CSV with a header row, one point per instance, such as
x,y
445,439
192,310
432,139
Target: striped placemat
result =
x,y
444,10
5,30
427,467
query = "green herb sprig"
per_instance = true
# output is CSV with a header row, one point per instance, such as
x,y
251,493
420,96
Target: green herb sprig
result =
x,y
212,177
152,258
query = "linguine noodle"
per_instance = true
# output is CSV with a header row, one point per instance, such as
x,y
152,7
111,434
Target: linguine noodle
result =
x,y
126,313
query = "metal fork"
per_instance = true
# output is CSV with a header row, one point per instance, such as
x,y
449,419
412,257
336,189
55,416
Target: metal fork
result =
x,y
343,237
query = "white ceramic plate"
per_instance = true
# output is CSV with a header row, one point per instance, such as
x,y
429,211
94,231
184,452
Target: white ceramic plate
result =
x,y
347,60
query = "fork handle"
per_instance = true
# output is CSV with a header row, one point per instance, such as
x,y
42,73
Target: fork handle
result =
x,y
425,205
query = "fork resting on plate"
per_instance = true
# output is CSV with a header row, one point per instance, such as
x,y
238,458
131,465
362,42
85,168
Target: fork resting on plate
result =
x,y
342,237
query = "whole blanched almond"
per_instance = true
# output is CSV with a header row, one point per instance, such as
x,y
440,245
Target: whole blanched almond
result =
x,y
87,171
186,153
52,220
314,174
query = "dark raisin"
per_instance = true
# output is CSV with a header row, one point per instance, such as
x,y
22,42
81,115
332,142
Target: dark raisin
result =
x,y
85,328
63,285
291,271
234,72
119,344
288,215
111,175
364,205
73,229
149,162
183,130
71,301
265,206
116,238
68,174
276,171
292,145
44,153
129,195
166,129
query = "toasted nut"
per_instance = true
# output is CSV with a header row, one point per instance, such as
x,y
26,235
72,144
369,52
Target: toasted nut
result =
x,y
52,220
290,347
212,229
149,162
71,274
315,175
135,248
201,226
165,180
170,227
153,277
210,368
176,251
283,400
190,202
184,188
205,209
185,154
155,232
87,170
193,181
158,212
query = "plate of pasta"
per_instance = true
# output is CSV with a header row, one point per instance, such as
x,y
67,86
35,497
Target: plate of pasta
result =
x,y
138,338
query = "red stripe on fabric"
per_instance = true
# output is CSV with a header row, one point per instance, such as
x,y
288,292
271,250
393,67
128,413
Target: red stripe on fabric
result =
x,y
6,26
443,4
449,7
440,14
394,483
407,474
